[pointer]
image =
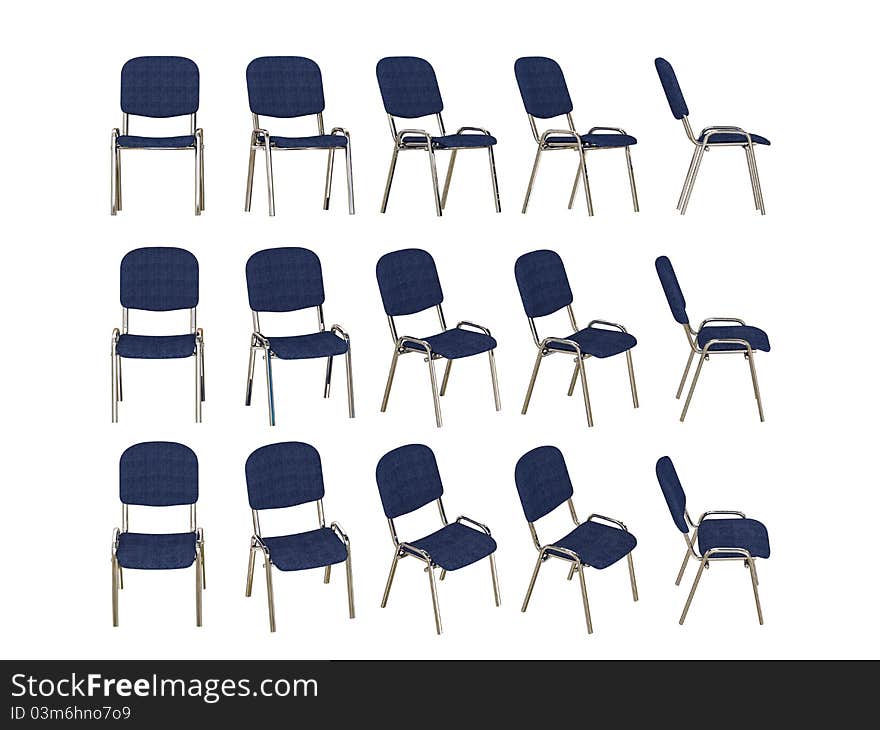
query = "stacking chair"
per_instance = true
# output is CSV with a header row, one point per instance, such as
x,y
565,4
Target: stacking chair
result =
x,y
284,87
158,87
286,280
543,484
732,337
734,537
158,474
410,91
545,96
709,138
544,289
289,474
409,479
409,283
157,279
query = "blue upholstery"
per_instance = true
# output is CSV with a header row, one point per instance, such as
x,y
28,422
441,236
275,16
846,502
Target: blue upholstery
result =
x,y
160,86
543,283
284,475
597,544
158,474
671,288
159,279
456,343
677,104
130,141
312,549
757,338
409,87
319,141
284,280
408,281
455,546
285,86
734,138
598,140
304,347
156,551
450,141
156,347
598,342
408,478
672,491
748,534
542,481
542,87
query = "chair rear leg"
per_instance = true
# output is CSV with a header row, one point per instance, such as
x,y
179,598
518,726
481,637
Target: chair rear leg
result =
x,y
270,178
198,590
687,401
754,574
328,179
632,577
751,358
494,374
349,583
528,195
430,571
586,177
118,179
114,587
434,392
448,180
684,375
249,583
684,563
202,370
198,192
349,178
703,563
349,382
114,387
390,579
571,571
445,380
586,390
327,574
495,589
250,376
122,583
270,391
249,185
269,592
751,177
531,587
202,558
574,377
327,376
432,159
757,182
632,379
574,187
690,188
531,387
584,597
198,385
687,178
390,380
495,194
632,180
388,181
201,175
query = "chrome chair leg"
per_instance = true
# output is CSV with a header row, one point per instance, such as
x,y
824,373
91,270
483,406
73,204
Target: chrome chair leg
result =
x,y
122,583
198,192
571,571
249,583
632,180
690,394
113,173
687,196
525,406
250,376
434,392
495,590
270,178
531,587
684,375
632,378
574,186
202,558
388,181
754,575
198,384
751,359
495,194
391,372
443,574
494,375
327,376
757,182
118,179
349,178
632,577
326,574
434,183
201,176
586,176
349,584
586,600
202,371
525,204
751,177
449,170
114,588
249,185
390,579
687,178
583,370
328,179
430,571
445,381
681,570
349,382
119,379
270,392
270,594
573,382
703,563
198,590
114,385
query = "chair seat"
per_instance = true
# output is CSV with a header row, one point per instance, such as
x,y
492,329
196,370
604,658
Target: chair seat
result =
x,y
144,551
598,140
156,347
750,535
456,546
597,544
131,141
755,337
303,347
451,141
734,138
313,549
599,342
318,141
456,343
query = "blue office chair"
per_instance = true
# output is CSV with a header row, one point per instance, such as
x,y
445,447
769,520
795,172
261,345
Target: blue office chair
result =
x,y
544,289
410,91
158,87
157,279
286,280
409,283
288,474
284,87
545,96
709,138
543,484
158,474
727,538
735,337
408,479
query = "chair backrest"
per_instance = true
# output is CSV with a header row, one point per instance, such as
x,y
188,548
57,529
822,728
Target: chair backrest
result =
x,y
542,87
673,292
672,491
160,86
408,282
408,478
543,283
542,481
284,280
158,474
284,475
409,87
285,86
159,279
677,104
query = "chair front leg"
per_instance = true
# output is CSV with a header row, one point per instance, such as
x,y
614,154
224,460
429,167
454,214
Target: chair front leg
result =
x,y
114,587
328,180
432,159
270,391
751,177
494,374
632,379
270,178
495,590
250,376
574,377
327,376
632,180
198,359
349,583
391,168
391,372
449,170
201,140
349,178
445,382
114,172
327,574
249,185
754,573
198,191
583,154
758,190
349,381
750,356
584,597
528,195
269,592
586,390
249,583
198,589
434,391
495,194
531,387
429,569
114,383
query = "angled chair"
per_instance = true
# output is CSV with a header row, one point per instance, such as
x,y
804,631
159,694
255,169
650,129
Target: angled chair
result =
x,y
545,96
543,484
289,474
157,279
408,479
410,91
726,538
544,290
286,280
158,474
284,87
709,138
714,336
409,283
158,87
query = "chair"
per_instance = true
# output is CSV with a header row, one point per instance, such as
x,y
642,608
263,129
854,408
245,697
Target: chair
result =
x,y
409,283
158,474
410,91
545,96
408,479
286,280
543,484
728,538
734,337
289,474
284,87
709,138
544,289
157,279
158,87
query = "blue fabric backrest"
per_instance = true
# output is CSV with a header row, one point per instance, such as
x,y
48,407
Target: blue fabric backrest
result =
x,y
159,279
160,86
671,88
673,292
542,481
284,475
285,86
284,280
543,283
672,491
409,87
542,87
158,474
408,281
408,478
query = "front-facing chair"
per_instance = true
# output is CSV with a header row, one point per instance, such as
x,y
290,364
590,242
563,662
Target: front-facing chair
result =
x,y
286,475
734,537
543,484
408,478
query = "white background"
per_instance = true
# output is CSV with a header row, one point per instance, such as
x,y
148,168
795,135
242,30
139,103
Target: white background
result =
x,y
807,272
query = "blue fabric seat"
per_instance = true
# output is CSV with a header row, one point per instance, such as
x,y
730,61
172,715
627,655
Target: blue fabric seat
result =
x,y
598,140
131,141
456,343
757,338
455,140
599,342
734,138
597,544
303,347
748,534
145,551
156,347
305,550
321,141
456,546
